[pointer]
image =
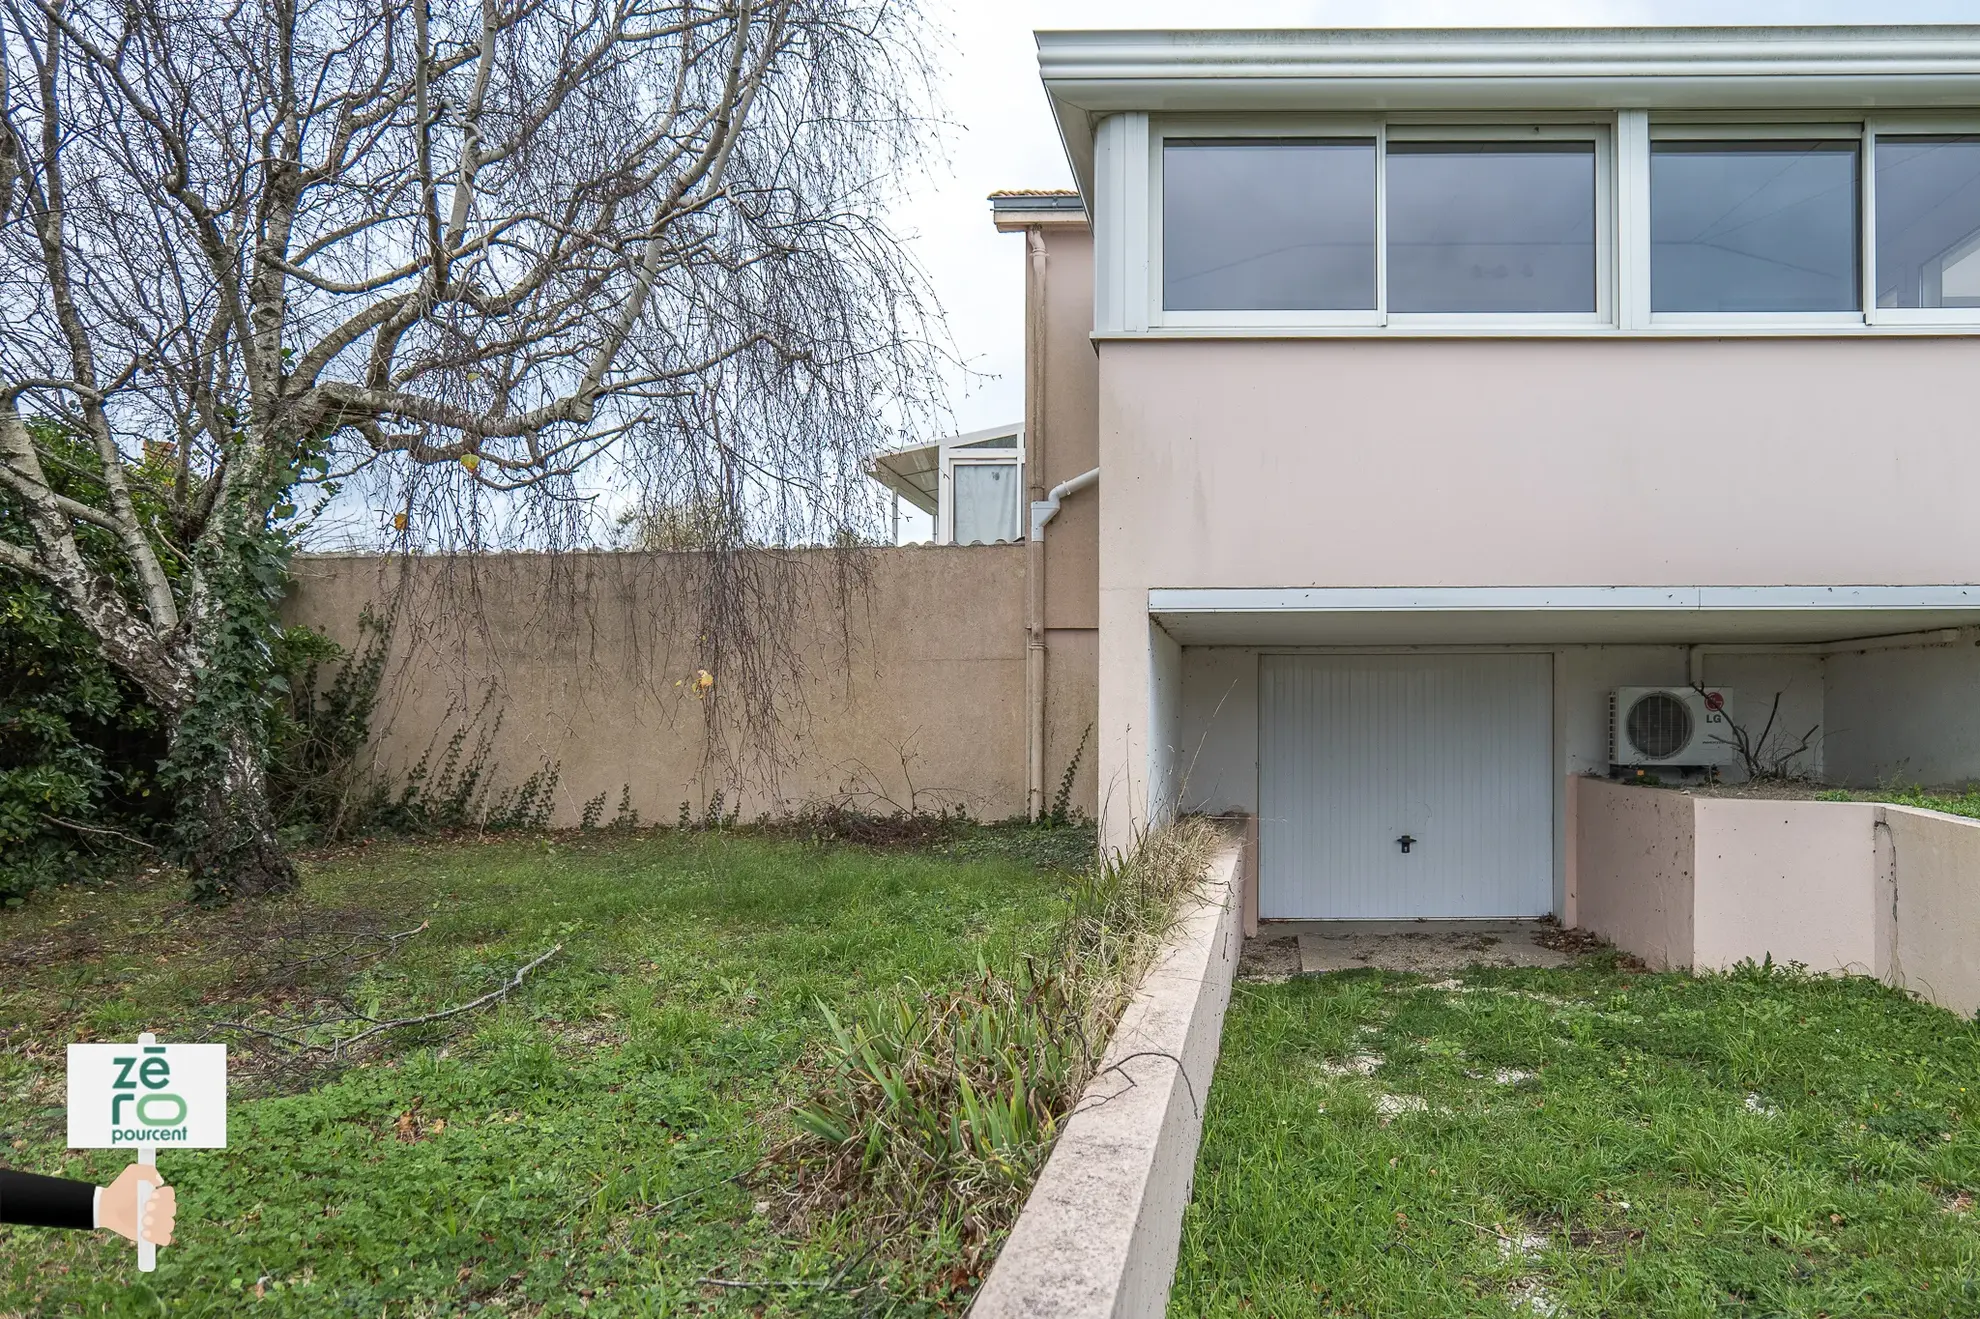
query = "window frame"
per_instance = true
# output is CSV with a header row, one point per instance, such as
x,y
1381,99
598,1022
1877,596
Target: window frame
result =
x,y
1509,129
1880,126
1624,140
1510,134
953,456
1780,129
1315,127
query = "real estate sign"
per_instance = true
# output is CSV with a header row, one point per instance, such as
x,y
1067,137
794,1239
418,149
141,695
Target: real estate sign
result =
x,y
167,1096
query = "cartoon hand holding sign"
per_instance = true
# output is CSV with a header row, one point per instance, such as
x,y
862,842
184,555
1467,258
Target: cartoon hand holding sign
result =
x,y
141,1096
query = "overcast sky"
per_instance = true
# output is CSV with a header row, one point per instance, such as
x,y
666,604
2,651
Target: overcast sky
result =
x,y
1001,136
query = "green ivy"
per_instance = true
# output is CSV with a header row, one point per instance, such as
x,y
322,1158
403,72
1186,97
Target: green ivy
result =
x,y
239,688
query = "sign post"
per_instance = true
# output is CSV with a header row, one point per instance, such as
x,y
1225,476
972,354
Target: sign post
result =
x,y
143,1096
148,1156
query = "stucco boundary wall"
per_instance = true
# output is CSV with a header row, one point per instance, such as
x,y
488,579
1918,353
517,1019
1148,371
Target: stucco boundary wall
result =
x,y
901,675
1858,888
1099,1235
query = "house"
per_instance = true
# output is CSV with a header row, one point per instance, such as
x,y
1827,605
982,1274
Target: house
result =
x,y
1447,387
1416,423
971,486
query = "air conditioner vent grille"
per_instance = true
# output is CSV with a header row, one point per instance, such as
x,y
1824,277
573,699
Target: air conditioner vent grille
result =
x,y
1658,725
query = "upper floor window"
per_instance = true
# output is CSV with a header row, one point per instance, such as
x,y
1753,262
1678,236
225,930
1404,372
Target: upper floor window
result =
x,y
1464,225
1754,226
1350,229
1269,224
1928,221
1492,227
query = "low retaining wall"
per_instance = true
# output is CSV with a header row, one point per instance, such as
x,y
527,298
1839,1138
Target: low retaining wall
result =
x,y
1100,1232
1934,863
1851,887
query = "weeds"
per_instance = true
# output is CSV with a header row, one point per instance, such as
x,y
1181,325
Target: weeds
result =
x,y
935,1110
1063,812
943,1103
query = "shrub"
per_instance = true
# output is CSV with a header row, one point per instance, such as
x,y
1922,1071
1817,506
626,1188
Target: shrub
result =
x,y
79,748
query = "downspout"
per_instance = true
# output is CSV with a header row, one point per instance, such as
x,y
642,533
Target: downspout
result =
x,y
1034,561
1042,513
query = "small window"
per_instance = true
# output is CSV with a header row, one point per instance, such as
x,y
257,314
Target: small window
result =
x,y
987,503
1754,226
1928,222
1268,224
1492,227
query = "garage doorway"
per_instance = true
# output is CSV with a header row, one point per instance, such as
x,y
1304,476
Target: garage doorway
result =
x,y
1405,786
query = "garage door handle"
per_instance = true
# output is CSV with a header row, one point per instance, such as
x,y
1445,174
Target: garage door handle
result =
x,y
1405,842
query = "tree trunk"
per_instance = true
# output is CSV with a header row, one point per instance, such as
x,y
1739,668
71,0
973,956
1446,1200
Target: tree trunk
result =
x,y
228,828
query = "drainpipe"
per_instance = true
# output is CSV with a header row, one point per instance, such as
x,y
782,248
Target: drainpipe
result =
x,y
1042,513
1034,562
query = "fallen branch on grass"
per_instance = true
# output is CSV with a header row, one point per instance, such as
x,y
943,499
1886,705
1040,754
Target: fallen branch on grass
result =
x,y
391,941
337,1047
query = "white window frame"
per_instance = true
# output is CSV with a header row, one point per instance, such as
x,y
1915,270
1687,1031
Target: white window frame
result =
x,y
1905,126
1511,134
960,452
1314,127
1779,130
1472,128
1624,141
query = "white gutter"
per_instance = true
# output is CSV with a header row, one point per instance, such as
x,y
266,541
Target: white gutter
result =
x,y
1871,50
1044,510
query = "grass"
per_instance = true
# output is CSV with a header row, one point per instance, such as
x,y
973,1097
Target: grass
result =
x,y
1588,1141
1964,801
594,1145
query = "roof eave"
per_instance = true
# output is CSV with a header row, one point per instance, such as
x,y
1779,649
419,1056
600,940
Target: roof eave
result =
x,y
1089,75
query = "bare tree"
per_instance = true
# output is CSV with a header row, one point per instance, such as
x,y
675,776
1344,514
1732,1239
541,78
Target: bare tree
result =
x,y
483,257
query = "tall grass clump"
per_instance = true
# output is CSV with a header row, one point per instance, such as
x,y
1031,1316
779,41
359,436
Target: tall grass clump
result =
x,y
933,1112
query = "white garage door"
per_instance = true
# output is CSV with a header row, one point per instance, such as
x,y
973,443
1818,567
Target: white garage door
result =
x,y
1398,786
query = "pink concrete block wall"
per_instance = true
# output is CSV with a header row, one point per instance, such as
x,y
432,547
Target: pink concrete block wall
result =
x,y
1632,855
1853,888
1794,880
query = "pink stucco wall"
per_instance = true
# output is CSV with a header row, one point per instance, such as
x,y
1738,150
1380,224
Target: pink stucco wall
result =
x,y
1854,887
1936,859
1400,462
1632,879
1794,880
1365,462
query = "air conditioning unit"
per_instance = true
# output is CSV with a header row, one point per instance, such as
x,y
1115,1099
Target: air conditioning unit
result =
x,y
1677,726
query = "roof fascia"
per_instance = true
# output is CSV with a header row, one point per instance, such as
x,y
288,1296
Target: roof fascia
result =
x,y
1089,75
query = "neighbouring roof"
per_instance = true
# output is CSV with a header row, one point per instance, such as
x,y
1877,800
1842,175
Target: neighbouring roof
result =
x,y
1090,75
915,473
1039,199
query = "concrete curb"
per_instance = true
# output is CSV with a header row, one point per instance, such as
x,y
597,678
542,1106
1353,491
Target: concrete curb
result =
x,y
1099,1234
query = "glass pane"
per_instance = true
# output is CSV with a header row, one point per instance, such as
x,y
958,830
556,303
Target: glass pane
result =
x,y
1268,224
1492,226
1753,226
989,501
997,442
1928,221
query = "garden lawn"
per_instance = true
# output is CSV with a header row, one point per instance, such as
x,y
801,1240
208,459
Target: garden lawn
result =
x,y
592,1145
1588,1141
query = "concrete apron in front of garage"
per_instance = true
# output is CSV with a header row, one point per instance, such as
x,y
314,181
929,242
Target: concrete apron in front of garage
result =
x,y
1286,948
